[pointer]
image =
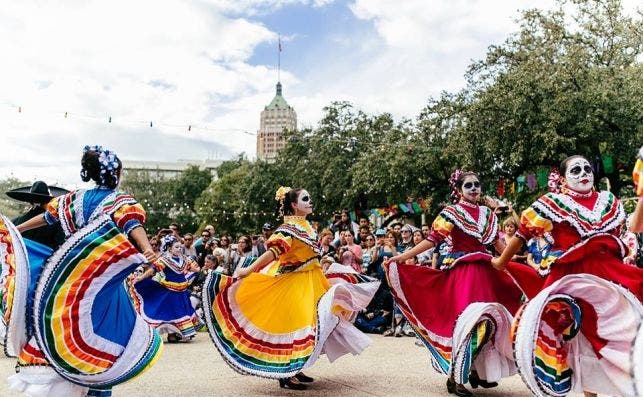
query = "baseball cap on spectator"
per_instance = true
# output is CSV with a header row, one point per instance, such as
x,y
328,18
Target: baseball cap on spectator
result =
x,y
267,226
380,232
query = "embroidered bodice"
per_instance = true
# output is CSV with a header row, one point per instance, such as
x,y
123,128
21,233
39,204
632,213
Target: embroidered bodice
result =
x,y
295,246
470,227
572,219
78,208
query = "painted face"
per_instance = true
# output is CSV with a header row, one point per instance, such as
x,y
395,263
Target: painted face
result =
x,y
304,203
579,175
471,188
176,249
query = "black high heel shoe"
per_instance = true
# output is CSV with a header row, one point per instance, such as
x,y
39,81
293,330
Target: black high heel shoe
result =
x,y
289,384
458,390
475,381
303,377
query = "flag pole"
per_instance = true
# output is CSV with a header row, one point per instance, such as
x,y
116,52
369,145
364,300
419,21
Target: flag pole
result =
x,y
279,60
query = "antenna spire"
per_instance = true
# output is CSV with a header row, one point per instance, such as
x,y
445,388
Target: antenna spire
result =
x,y
279,60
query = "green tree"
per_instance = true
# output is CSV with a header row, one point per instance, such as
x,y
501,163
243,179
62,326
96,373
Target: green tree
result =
x,y
9,207
222,203
567,83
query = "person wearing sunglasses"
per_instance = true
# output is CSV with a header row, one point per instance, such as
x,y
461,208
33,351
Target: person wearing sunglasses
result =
x,y
188,245
470,292
585,302
284,299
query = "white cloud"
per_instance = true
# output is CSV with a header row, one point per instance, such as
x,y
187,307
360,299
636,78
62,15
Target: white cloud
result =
x,y
173,62
254,7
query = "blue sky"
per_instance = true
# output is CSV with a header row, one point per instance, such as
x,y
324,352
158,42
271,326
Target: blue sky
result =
x,y
309,36
211,65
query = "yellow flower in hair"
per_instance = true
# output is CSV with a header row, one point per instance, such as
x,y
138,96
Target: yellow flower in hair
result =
x,y
281,193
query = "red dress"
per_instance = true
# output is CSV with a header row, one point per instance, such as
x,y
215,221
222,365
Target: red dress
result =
x,y
578,329
463,312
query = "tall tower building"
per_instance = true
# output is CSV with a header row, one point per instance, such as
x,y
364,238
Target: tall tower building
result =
x,y
275,118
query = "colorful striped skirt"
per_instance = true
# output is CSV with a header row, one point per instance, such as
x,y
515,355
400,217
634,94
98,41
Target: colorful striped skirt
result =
x,y
85,326
579,334
274,326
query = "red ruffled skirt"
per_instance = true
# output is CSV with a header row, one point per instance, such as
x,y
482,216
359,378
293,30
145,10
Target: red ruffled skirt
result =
x,y
456,313
578,330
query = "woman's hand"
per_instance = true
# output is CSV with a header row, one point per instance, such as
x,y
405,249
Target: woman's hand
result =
x,y
150,255
243,272
396,259
497,264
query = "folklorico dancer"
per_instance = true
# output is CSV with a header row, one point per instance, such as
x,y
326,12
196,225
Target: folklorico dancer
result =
x,y
578,329
66,341
467,333
280,313
164,300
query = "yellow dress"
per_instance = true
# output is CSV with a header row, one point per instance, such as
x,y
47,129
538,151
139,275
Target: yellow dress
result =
x,y
276,322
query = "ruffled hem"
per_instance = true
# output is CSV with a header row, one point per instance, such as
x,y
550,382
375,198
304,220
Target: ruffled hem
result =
x,y
43,382
90,351
481,342
15,285
578,334
469,331
251,350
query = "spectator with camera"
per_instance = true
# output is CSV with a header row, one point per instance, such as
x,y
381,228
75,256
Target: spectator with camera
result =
x,y
342,222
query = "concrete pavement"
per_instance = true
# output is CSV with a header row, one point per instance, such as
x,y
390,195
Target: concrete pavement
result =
x,y
389,367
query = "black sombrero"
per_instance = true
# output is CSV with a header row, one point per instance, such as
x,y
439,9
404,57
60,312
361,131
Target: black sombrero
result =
x,y
39,193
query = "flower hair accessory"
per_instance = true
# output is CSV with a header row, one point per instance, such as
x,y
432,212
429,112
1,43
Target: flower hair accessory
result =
x,y
167,242
109,164
281,193
453,180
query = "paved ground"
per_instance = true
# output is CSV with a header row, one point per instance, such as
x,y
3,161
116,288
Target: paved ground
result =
x,y
389,367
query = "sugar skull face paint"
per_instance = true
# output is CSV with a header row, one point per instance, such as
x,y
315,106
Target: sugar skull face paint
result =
x,y
304,203
471,188
579,175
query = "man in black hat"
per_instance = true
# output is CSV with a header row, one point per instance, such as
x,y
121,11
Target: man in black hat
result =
x,y
38,195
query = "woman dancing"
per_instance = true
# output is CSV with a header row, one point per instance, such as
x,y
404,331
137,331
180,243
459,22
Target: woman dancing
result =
x,y
467,333
578,329
85,336
164,300
281,313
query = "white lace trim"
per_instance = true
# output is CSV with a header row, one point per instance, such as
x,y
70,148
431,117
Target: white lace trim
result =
x,y
594,215
483,214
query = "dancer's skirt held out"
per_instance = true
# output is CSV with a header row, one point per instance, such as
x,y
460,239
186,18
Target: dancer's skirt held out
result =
x,y
275,326
579,332
85,329
167,310
463,315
